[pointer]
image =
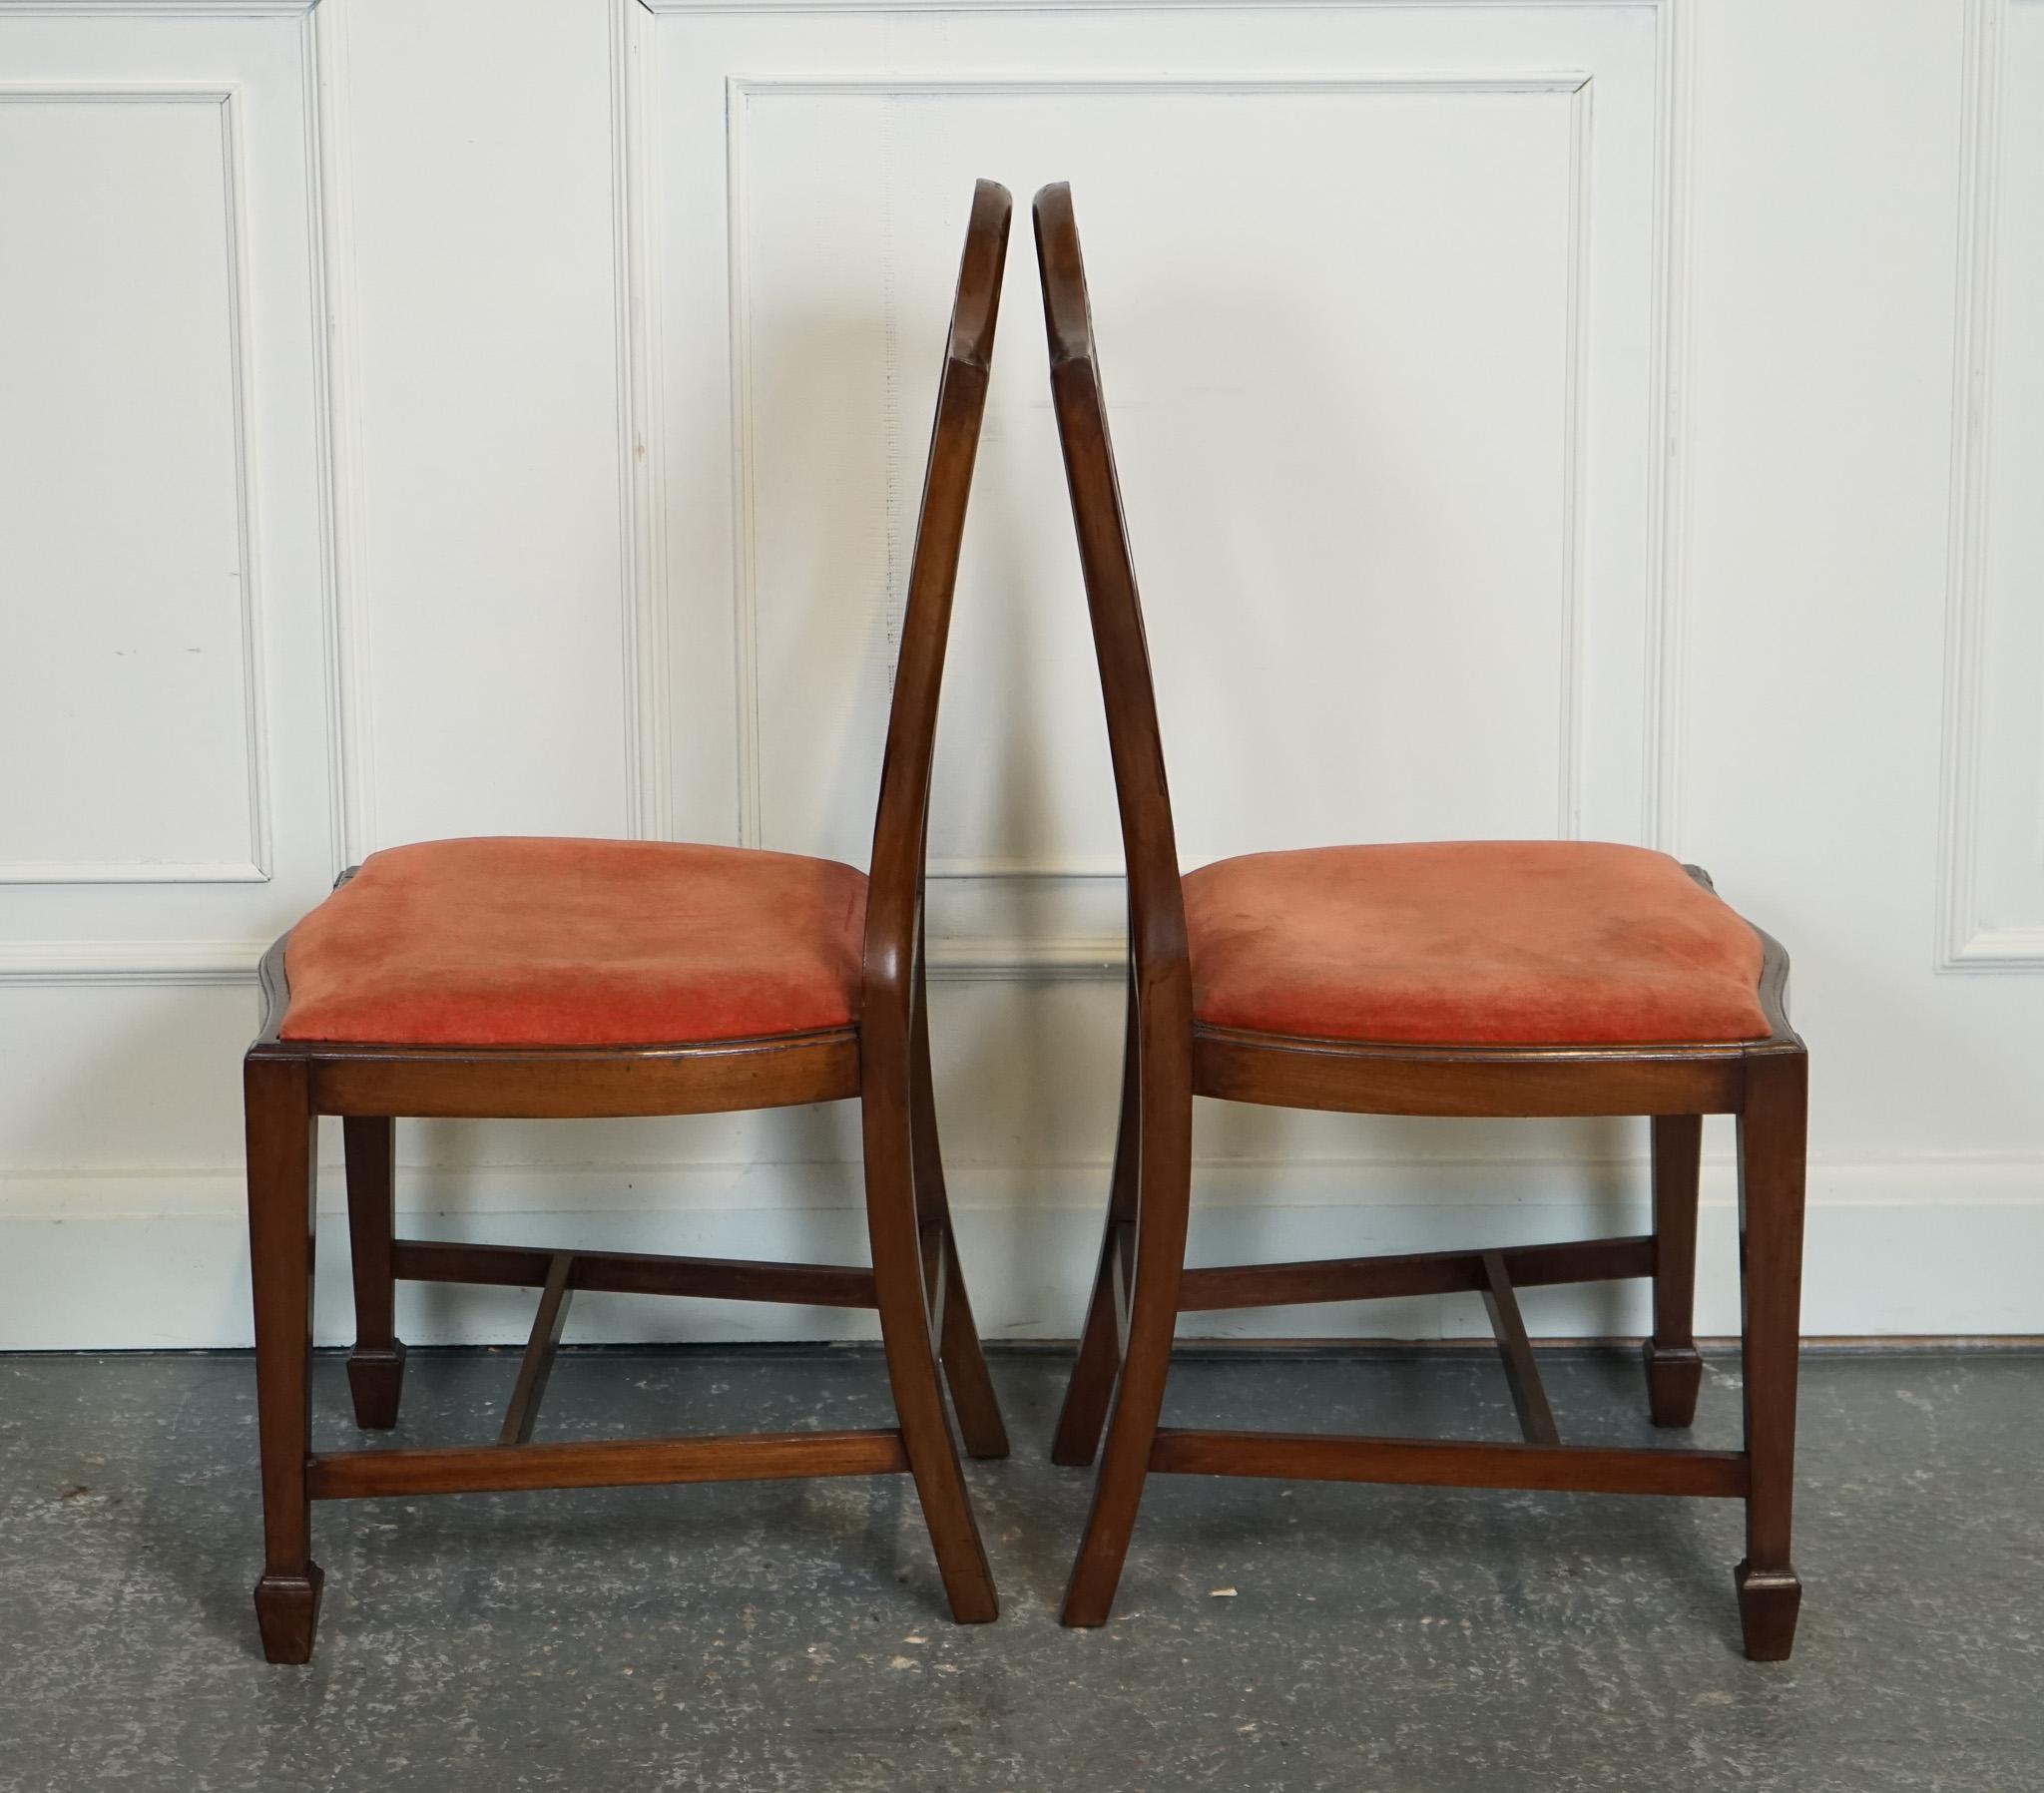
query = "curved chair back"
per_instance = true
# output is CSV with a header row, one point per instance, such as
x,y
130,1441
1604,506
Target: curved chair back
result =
x,y
1156,922
894,895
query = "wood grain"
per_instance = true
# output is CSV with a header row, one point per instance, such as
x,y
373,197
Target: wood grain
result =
x,y
882,1060
1171,1057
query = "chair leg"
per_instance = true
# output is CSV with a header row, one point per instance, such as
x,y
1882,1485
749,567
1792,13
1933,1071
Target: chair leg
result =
x,y
375,1367
964,1363
1674,1370
1771,1200
965,1372
1091,1388
277,1096
905,1334
1164,1152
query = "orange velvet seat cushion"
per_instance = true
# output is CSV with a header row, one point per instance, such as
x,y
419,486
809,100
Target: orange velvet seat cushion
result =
x,y
1530,942
551,942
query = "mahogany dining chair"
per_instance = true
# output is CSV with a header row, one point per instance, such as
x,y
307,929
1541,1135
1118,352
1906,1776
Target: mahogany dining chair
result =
x,y
540,978
1475,977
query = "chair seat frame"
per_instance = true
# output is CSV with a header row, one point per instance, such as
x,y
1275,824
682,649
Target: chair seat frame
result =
x,y
1141,1283
914,1282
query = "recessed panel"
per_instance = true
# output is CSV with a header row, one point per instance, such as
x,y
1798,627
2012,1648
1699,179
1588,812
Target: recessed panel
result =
x,y
482,393
126,689
2008,841
1340,324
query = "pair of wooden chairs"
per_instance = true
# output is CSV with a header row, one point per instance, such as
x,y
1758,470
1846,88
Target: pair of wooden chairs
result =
x,y
536,978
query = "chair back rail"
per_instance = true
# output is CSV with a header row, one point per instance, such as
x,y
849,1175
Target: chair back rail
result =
x,y
1156,921
900,829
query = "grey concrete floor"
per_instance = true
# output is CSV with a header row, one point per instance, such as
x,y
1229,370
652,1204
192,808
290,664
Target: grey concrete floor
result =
x,y
790,1636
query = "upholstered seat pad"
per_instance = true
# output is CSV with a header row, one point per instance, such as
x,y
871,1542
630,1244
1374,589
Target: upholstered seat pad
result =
x,y
1542,943
558,942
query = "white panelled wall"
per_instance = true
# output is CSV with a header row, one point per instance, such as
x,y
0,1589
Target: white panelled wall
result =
x,y
1620,418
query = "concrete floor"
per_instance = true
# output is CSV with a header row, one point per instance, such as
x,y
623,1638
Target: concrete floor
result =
x,y
790,1636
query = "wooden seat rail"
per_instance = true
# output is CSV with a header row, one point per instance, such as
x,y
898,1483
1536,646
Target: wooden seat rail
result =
x,y
1447,1462
1173,1056
604,1462
514,1462
943,1397
636,1273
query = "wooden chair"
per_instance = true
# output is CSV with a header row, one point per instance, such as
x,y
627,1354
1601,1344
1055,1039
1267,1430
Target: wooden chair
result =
x,y
539,977
1464,978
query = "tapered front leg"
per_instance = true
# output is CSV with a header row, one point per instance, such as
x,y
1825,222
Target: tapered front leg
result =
x,y
905,1319
375,1367
964,1363
277,1099
1771,1148
1091,1388
1674,1370
1165,1134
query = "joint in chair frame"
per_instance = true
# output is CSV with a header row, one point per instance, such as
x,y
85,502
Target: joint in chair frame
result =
x,y
531,979
1340,979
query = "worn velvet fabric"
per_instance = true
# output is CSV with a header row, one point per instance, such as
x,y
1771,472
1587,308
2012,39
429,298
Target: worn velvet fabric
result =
x,y
557,942
1545,943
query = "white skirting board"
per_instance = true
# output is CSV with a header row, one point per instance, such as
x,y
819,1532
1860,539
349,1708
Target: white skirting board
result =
x,y
157,1260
